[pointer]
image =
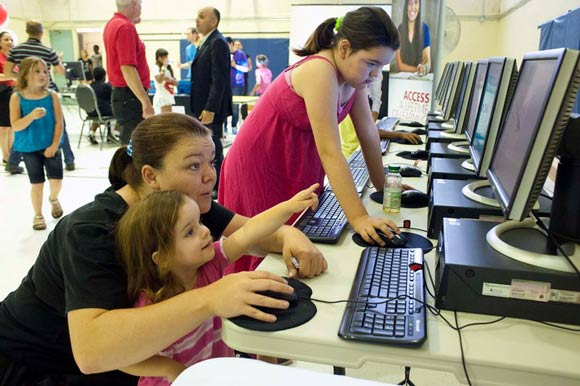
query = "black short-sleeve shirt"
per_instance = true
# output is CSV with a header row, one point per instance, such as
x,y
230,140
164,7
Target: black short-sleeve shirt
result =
x,y
77,268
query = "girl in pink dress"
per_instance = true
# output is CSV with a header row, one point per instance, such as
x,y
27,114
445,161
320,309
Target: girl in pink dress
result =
x,y
291,138
166,251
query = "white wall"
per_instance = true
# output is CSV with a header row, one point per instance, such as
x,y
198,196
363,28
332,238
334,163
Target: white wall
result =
x,y
512,35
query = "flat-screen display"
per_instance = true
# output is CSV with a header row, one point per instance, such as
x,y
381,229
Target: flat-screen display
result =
x,y
522,123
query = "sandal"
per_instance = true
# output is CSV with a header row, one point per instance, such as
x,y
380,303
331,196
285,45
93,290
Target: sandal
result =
x,y
38,224
56,208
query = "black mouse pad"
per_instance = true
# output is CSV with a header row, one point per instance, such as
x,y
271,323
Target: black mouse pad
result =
x,y
377,197
291,317
413,241
408,155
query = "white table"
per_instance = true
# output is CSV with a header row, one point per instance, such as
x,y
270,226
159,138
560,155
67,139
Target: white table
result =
x,y
249,372
511,352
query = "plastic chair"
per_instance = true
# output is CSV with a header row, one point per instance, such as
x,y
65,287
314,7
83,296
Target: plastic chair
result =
x,y
89,111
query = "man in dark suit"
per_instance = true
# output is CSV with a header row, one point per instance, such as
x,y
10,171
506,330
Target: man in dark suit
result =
x,y
211,91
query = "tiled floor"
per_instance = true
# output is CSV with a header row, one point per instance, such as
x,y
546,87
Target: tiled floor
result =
x,y
19,243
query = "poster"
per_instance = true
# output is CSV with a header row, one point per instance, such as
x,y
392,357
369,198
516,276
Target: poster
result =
x,y
411,72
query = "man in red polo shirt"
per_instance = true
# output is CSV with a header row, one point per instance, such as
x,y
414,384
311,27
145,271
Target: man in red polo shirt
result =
x,y
127,68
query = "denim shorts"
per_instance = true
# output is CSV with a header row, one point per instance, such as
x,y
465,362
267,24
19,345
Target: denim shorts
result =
x,y
36,162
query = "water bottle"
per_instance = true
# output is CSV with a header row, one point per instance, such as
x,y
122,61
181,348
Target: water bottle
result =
x,y
392,190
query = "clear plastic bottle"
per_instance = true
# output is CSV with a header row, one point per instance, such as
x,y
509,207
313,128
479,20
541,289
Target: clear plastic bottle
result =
x,y
392,190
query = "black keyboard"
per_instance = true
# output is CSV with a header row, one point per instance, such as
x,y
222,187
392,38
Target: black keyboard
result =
x,y
384,289
388,123
326,223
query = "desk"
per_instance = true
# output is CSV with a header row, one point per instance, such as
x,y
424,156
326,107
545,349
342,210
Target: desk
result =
x,y
249,372
511,352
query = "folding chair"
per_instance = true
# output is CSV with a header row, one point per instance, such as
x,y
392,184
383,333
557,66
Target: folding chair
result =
x,y
89,111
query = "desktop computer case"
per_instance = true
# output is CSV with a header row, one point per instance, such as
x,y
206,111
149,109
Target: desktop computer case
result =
x,y
469,271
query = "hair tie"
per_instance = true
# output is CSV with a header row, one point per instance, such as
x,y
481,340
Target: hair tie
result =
x,y
130,148
338,23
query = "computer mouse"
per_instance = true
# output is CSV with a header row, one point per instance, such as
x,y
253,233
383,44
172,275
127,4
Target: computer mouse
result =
x,y
414,199
411,171
397,241
412,124
419,131
420,154
292,298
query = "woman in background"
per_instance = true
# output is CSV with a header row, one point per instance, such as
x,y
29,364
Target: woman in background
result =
x,y
6,88
87,66
415,52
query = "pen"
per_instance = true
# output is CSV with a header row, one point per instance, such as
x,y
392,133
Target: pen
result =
x,y
295,262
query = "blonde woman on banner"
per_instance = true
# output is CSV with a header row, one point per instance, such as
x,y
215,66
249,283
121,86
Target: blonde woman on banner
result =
x,y
415,52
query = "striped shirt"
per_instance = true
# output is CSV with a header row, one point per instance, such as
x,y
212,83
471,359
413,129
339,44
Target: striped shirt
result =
x,y
33,47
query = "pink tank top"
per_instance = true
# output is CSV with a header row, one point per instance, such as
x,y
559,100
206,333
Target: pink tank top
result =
x,y
274,155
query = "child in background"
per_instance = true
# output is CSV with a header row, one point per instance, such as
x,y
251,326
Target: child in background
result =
x,y
164,82
103,92
37,120
263,75
167,251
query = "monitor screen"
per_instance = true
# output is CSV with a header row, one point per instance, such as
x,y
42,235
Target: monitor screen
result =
x,y
74,70
463,87
463,105
522,123
486,110
448,84
441,85
454,84
480,74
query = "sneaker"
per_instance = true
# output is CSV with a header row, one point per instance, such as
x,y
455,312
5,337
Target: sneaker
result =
x,y
234,130
70,166
93,140
14,169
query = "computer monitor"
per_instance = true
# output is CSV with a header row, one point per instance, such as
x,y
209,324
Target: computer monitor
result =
x,y
474,101
450,102
74,71
441,83
472,108
464,96
534,125
498,89
448,80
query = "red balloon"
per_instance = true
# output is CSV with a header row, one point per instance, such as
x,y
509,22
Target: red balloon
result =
x,y
3,14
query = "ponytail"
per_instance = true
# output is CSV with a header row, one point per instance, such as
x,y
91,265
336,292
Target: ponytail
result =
x,y
364,28
321,39
122,171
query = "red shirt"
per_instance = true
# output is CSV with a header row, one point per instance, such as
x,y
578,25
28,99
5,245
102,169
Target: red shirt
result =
x,y
123,47
2,61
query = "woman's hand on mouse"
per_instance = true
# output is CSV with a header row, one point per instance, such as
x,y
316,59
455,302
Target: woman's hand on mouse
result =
x,y
235,295
407,187
367,227
410,137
